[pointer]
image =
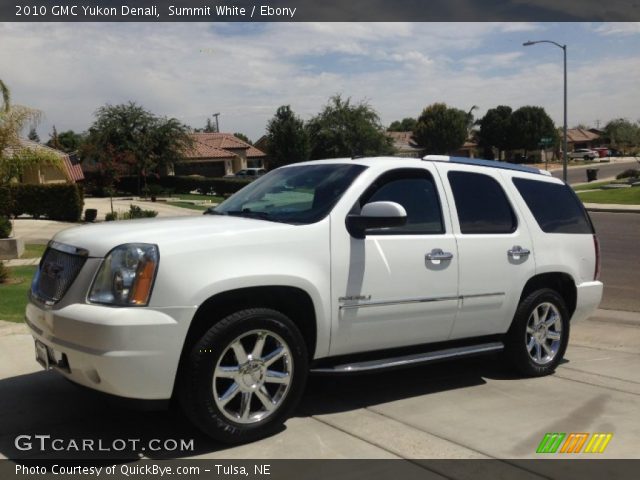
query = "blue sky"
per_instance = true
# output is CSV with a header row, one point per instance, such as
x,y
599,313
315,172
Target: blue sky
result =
x,y
245,71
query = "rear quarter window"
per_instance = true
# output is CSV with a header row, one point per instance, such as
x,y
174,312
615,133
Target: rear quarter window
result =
x,y
556,207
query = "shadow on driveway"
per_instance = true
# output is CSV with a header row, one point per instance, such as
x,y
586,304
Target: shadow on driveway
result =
x,y
44,403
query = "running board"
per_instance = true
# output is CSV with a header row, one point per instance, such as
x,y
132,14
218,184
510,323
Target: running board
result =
x,y
409,360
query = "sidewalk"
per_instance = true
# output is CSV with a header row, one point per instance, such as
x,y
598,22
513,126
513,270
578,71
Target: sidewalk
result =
x,y
612,208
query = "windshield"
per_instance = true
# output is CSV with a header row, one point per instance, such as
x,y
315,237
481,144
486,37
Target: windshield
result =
x,y
298,195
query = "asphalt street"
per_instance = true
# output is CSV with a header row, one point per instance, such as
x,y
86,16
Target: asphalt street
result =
x,y
619,235
605,170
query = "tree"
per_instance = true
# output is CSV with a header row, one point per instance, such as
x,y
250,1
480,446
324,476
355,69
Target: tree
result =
x,y
208,128
528,126
405,125
33,135
495,129
67,141
622,133
345,129
15,158
441,129
287,139
243,137
127,134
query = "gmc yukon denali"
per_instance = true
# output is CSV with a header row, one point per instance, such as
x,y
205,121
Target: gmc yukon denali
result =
x,y
334,266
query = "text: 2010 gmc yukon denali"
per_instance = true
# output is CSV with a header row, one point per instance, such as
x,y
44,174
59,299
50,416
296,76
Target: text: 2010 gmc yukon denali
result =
x,y
400,261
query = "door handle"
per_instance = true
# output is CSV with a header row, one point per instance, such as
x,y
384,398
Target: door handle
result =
x,y
518,251
438,254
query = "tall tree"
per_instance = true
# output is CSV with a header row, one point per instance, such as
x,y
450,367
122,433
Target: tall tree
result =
x,y
495,128
441,129
345,129
528,126
33,135
287,139
5,96
243,137
405,125
622,133
129,134
67,141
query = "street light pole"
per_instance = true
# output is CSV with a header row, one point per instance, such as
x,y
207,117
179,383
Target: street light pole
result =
x,y
564,140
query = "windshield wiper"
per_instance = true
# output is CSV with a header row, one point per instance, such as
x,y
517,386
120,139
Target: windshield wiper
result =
x,y
249,214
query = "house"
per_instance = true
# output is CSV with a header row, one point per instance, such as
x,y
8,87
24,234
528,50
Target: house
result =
x,y
218,154
582,138
70,173
404,144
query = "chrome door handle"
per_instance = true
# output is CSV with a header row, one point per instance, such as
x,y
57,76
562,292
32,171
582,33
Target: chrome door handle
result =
x,y
518,251
438,254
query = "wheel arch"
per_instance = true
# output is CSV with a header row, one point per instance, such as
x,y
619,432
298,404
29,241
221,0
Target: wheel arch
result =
x,y
561,282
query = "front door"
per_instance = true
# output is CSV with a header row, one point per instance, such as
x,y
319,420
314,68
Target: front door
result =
x,y
398,286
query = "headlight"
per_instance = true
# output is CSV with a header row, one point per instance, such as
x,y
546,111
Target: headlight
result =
x,y
126,275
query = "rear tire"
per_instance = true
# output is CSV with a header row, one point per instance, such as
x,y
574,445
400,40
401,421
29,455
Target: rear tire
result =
x,y
244,376
539,334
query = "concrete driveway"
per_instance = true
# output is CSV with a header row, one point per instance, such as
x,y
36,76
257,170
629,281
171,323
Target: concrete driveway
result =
x,y
472,408
41,231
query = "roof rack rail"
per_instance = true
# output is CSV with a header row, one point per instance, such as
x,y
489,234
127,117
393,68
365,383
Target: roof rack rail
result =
x,y
485,163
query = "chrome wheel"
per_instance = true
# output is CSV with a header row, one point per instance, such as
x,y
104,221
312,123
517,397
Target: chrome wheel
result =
x,y
252,376
544,333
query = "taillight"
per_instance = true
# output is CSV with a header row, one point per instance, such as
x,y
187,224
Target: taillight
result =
x,y
596,244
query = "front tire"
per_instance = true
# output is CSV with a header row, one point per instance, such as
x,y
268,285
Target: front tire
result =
x,y
539,334
245,375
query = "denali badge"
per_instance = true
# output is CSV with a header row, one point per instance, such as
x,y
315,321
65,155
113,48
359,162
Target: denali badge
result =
x,y
354,297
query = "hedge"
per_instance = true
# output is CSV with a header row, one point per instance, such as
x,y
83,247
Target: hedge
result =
x,y
175,184
56,202
5,201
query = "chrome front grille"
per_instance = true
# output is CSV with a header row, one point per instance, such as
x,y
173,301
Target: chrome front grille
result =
x,y
58,269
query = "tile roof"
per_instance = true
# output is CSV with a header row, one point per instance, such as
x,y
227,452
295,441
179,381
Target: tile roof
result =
x,y
72,168
581,135
220,145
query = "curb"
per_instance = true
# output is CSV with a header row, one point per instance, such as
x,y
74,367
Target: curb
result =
x,y
594,207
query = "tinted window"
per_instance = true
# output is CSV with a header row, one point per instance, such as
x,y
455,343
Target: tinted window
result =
x,y
555,207
481,204
416,192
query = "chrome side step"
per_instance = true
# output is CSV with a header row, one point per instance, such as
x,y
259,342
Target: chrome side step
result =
x,y
408,360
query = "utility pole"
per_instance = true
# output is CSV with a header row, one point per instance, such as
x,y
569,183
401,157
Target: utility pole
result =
x,y
216,115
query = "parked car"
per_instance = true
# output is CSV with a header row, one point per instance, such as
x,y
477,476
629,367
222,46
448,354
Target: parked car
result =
x,y
333,267
251,172
584,153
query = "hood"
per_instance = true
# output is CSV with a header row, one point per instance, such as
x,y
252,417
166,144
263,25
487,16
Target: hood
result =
x,y
166,232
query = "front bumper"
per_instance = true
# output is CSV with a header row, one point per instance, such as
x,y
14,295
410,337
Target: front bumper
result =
x,y
589,295
127,352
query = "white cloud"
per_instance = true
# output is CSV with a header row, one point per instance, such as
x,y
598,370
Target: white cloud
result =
x,y
190,71
618,28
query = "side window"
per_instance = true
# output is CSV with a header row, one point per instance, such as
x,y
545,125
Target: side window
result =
x,y
554,206
415,190
481,203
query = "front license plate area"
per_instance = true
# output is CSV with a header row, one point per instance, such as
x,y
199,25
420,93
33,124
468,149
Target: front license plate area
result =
x,y
43,355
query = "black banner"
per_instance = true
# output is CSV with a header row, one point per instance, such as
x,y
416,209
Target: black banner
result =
x,y
317,11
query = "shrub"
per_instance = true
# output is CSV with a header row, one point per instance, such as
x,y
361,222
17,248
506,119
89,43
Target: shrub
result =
x,y
5,201
5,227
629,173
4,273
133,213
111,216
56,202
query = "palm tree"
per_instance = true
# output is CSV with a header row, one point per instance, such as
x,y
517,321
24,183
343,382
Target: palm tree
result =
x,y
6,97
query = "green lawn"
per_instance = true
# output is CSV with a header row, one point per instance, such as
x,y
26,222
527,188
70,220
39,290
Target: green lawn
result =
x,y
190,206
32,250
591,186
192,196
624,196
13,295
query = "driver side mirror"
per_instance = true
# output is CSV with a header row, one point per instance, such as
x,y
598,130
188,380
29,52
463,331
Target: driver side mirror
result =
x,y
376,215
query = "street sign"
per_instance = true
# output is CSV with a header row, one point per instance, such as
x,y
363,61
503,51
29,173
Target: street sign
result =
x,y
546,141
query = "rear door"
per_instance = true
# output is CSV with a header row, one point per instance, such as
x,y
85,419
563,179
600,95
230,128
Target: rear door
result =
x,y
495,251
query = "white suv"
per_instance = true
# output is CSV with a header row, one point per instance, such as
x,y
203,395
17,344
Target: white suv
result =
x,y
333,266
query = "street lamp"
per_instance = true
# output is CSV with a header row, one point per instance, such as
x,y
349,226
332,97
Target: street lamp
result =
x,y
564,143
